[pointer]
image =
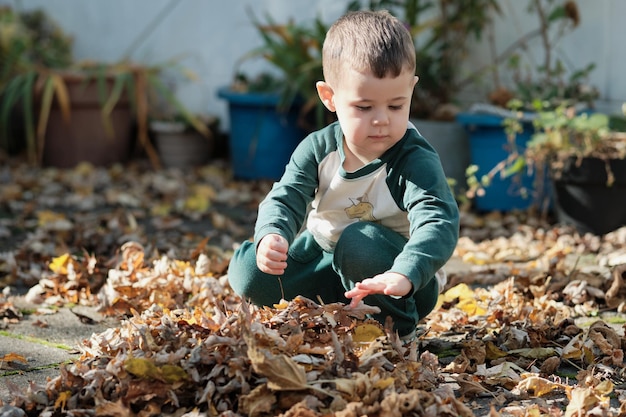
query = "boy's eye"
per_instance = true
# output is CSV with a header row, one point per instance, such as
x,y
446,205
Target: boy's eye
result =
x,y
366,108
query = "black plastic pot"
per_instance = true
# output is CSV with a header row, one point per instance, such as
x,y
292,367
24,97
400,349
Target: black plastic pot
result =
x,y
583,199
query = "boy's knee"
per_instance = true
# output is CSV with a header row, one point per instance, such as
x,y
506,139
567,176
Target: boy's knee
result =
x,y
241,271
247,280
355,239
368,247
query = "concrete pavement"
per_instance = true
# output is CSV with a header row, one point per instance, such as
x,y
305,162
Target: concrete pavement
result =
x,y
46,341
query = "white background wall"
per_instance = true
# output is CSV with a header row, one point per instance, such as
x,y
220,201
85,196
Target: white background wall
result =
x,y
211,35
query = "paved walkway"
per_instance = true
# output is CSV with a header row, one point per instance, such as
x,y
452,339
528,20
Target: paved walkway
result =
x,y
46,341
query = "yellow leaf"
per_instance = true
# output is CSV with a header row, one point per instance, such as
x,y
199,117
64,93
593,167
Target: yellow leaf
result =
x,y
162,209
367,332
494,352
181,265
142,368
466,297
62,399
471,307
46,217
60,264
204,190
460,291
197,203
173,373
477,258
384,383
200,200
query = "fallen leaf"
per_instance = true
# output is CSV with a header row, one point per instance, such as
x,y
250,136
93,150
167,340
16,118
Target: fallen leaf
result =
x,y
13,357
282,373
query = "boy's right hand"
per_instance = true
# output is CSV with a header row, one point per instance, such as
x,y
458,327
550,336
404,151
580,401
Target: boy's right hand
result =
x,y
271,254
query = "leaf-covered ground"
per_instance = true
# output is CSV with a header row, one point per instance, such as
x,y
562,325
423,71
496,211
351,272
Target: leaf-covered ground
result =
x,y
534,327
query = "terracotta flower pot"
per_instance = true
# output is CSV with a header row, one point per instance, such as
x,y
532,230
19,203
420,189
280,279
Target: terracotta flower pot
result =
x,y
86,137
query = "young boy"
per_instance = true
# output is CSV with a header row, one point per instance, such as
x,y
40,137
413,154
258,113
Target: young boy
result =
x,y
382,220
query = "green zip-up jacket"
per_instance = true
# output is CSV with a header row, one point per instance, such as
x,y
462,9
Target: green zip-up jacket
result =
x,y
405,190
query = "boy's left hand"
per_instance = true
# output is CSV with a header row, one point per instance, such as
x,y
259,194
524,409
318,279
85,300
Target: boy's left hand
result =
x,y
388,283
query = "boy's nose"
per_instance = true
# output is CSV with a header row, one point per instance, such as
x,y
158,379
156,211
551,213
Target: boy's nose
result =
x,y
380,118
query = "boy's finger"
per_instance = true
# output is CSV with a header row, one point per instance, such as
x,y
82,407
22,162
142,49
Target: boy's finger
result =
x,y
355,301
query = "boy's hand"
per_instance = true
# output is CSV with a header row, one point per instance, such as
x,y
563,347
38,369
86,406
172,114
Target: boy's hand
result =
x,y
389,283
271,254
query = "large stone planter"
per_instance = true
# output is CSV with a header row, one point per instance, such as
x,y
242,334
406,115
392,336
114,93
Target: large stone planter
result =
x,y
451,143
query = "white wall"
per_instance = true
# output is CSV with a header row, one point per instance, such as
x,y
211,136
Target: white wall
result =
x,y
600,39
212,34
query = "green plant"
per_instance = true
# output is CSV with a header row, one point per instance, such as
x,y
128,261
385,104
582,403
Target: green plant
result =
x,y
442,31
550,82
27,40
39,66
31,38
296,52
560,135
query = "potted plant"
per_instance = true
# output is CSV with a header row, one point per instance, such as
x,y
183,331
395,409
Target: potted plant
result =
x,y
550,83
271,113
584,155
77,111
26,39
182,139
181,145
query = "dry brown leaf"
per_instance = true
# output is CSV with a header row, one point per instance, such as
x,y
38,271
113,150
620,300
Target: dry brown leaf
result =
x,y
282,373
616,294
258,402
183,316
470,386
13,357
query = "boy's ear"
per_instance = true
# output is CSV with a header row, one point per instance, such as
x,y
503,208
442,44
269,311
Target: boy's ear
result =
x,y
326,94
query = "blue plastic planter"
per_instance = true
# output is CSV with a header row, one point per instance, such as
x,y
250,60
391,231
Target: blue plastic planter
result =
x,y
261,138
488,147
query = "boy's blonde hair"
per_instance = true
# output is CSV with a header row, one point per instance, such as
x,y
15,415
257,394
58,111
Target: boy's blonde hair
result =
x,y
367,40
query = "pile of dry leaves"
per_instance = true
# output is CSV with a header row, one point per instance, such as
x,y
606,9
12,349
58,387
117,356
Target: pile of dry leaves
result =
x,y
533,328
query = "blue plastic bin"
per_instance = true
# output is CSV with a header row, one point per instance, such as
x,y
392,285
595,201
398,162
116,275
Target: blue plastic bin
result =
x,y
261,138
488,147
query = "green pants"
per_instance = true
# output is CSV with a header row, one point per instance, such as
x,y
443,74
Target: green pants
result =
x,y
364,250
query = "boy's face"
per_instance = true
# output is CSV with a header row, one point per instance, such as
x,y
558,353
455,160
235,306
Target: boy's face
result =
x,y
373,112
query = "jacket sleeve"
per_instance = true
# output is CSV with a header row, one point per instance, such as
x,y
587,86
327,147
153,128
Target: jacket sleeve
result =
x,y
433,216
